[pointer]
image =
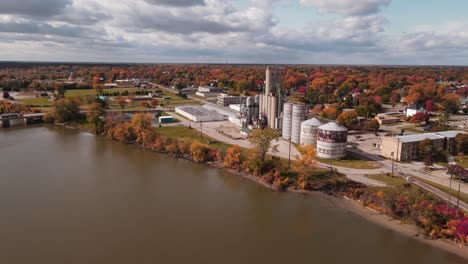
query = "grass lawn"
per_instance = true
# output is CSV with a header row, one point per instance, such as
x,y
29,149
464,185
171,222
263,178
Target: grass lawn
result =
x,y
36,102
185,132
412,128
389,180
463,196
461,160
351,162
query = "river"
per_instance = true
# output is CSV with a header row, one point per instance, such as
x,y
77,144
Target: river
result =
x,y
71,197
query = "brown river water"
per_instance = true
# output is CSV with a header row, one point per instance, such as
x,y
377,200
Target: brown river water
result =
x,y
71,197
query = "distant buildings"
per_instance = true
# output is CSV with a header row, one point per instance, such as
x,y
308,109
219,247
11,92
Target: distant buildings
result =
x,y
414,109
208,91
226,100
404,148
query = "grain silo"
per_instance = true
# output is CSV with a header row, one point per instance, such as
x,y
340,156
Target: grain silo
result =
x,y
309,130
287,121
299,112
331,141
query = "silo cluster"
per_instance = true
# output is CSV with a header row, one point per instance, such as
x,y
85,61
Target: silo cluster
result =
x,y
309,130
293,115
271,101
331,141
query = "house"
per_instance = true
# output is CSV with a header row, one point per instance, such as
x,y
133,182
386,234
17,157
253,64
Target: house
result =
x,y
414,109
384,119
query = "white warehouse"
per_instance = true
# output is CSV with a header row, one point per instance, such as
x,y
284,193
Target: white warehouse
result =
x,y
197,113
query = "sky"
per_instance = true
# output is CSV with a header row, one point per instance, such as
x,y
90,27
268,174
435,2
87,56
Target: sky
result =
x,y
416,32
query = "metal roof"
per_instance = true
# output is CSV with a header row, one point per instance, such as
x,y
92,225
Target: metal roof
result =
x,y
451,133
332,126
312,122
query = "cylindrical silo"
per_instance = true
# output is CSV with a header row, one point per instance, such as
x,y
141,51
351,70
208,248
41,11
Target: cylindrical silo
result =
x,y
331,141
267,81
287,121
299,112
272,111
309,129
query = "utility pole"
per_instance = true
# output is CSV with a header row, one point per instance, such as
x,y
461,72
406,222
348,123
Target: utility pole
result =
x,y
289,156
393,164
450,192
458,195
201,129
331,165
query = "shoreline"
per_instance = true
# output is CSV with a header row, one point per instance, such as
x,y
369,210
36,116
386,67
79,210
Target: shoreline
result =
x,y
341,202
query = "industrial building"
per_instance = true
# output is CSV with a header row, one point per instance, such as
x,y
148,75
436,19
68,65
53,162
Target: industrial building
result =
x,y
208,91
272,100
309,131
331,141
197,113
404,148
293,115
225,100
384,119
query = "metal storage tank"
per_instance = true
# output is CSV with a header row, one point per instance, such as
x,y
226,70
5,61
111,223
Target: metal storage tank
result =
x,y
309,129
299,112
331,141
287,121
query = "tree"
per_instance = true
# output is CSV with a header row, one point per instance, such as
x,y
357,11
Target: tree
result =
x,y
419,118
461,143
232,159
6,95
451,103
305,164
122,102
154,103
199,152
65,110
348,119
330,112
94,115
426,152
262,139
372,125
59,90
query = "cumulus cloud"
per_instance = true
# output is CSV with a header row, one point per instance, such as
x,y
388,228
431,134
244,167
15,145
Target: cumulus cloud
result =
x,y
33,7
177,2
347,7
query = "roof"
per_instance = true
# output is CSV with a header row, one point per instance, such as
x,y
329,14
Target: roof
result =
x,y
432,136
451,133
312,122
332,126
418,137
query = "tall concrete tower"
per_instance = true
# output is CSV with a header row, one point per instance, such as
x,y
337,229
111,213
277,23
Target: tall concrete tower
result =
x,y
271,101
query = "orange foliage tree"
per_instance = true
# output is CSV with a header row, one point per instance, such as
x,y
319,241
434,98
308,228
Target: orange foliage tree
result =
x,y
232,159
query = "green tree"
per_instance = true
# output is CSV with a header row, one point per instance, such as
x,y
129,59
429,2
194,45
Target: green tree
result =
x,y
262,139
65,110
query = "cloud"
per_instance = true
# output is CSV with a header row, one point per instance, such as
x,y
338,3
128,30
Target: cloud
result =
x,y
176,2
347,7
36,8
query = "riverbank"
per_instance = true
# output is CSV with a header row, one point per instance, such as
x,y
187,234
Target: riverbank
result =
x,y
333,191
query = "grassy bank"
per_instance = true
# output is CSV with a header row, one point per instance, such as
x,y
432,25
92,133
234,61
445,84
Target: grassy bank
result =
x,y
463,196
351,162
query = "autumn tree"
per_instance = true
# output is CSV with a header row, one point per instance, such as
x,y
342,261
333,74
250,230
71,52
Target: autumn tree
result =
x,y
232,159
200,152
348,119
451,103
419,118
122,102
330,112
426,151
262,140
461,143
371,125
305,163
94,115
